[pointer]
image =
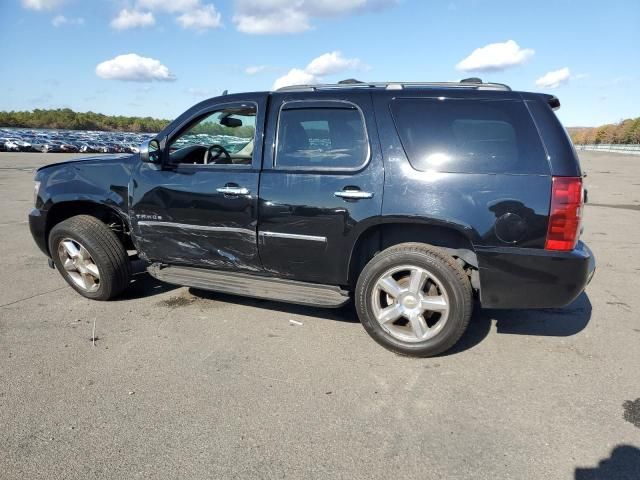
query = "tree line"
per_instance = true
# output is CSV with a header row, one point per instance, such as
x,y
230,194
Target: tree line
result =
x,y
212,128
623,132
65,118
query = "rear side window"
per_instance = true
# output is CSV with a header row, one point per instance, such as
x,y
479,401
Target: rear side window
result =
x,y
332,137
469,136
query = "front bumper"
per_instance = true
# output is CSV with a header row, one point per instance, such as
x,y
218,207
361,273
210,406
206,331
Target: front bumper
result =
x,y
38,228
533,278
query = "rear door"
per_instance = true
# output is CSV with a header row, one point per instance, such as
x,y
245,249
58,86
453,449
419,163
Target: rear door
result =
x,y
321,184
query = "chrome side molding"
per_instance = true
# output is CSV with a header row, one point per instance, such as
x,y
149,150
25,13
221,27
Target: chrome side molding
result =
x,y
293,236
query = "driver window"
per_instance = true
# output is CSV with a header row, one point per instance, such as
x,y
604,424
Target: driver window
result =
x,y
224,137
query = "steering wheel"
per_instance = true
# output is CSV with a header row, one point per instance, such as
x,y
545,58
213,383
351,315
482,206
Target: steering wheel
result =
x,y
214,152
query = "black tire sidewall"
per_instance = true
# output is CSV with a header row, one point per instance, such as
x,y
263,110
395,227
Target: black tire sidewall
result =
x,y
459,304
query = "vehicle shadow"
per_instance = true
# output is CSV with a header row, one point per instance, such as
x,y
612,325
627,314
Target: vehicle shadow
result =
x,y
622,464
550,322
556,322
346,313
142,284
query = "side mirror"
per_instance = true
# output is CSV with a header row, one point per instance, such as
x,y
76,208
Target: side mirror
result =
x,y
150,151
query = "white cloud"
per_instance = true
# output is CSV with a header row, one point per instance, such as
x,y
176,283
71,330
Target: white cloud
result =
x,y
286,20
200,18
134,68
554,78
326,64
189,14
295,77
132,18
330,63
495,56
255,69
41,4
61,20
262,17
170,6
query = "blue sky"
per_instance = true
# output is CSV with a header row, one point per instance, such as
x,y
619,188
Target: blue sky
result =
x,y
158,57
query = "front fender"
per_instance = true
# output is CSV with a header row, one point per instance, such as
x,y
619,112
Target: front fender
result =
x,y
98,180
80,186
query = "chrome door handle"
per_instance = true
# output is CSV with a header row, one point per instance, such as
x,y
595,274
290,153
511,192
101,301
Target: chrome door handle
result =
x,y
353,194
233,190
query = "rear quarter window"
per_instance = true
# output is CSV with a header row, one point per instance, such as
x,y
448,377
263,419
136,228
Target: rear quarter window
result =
x,y
469,136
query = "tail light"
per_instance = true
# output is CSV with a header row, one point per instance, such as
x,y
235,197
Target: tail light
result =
x,y
566,213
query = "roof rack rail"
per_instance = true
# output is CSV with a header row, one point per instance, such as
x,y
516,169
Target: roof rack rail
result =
x,y
468,83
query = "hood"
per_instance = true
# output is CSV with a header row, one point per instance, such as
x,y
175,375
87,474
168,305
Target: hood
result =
x,y
102,159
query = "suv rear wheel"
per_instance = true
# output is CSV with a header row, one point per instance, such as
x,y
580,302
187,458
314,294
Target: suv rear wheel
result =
x,y
90,257
414,299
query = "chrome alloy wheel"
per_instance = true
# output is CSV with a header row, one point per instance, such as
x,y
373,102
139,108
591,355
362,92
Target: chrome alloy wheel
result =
x,y
410,303
79,265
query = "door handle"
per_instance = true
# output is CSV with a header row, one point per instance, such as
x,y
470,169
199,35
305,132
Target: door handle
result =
x,y
228,190
353,194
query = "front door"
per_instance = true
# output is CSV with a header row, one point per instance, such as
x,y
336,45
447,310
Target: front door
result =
x,y
199,206
321,185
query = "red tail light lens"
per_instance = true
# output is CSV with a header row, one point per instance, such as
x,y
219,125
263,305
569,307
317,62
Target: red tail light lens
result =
x,y
566,213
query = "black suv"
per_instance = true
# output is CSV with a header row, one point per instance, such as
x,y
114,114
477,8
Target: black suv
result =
x,y
410,198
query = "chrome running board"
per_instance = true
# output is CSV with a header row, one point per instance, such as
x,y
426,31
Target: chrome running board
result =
x,y
268,288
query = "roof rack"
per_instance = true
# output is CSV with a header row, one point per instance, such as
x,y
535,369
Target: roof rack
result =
x,y
468,83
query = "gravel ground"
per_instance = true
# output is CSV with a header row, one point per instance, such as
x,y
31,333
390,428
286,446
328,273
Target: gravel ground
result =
x,y
186,384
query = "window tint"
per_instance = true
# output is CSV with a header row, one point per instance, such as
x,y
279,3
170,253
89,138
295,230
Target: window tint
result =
x,y
332,137
475,136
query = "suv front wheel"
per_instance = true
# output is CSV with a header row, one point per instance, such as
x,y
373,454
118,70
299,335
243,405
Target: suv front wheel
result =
x,y
90,257
414,299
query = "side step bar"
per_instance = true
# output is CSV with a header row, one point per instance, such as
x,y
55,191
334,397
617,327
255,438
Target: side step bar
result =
x,y
269,288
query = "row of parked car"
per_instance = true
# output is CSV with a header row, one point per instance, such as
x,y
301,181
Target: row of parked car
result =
x,y
69,141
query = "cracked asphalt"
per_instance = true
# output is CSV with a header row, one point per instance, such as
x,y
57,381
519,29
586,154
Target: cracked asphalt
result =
x,y
187,384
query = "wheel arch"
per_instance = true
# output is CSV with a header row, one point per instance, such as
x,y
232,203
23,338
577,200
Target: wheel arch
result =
x,y
454,239
61,211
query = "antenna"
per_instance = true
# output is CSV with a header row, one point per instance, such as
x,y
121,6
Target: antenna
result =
x,y
225,92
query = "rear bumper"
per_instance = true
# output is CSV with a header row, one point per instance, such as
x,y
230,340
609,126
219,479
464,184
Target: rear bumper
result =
x,y
531,278
38,227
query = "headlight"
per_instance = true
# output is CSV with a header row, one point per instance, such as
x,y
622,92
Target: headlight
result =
x,y
36,190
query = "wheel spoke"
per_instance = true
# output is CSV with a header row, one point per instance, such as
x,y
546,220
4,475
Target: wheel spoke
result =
x,y
390,286
77,278
87,280
417,280
418,325
434,304
84,254
92,268
69,266
71,248
390,314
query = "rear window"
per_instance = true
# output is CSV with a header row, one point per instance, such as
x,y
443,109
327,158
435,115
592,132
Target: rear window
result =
x,y
469,136
331,137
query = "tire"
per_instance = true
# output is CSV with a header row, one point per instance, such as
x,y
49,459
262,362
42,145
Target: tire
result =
x,y
89,244
398,284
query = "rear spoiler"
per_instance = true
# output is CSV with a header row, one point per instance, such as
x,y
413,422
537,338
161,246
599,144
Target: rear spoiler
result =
x,y
552,101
